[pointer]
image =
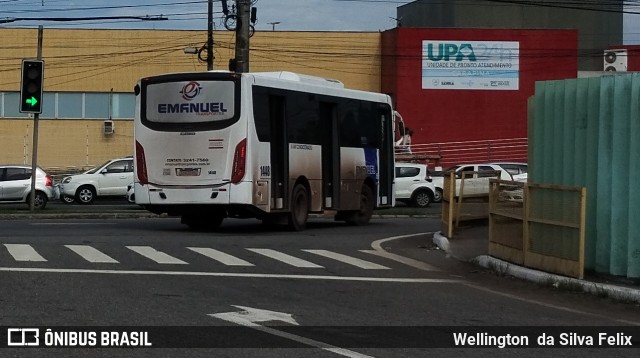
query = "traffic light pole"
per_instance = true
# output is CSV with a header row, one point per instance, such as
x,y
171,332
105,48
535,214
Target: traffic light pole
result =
x,y
210,36
34,151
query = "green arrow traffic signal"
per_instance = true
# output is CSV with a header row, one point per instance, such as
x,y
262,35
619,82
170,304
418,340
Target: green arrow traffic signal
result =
x,y
32,101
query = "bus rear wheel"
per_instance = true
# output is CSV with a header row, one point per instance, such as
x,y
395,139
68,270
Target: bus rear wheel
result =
x,y
299,208
363,215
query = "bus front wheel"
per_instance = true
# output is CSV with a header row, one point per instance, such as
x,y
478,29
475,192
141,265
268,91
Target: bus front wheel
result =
x,y
363,215
299,208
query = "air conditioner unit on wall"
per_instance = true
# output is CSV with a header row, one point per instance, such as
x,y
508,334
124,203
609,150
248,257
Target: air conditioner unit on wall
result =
x,y
615,60
108,127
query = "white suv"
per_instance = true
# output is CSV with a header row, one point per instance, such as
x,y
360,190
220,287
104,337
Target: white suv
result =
x,y
15,185
108,179
413,185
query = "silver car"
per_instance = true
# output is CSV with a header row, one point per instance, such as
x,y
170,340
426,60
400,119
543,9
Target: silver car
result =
x,y
15,185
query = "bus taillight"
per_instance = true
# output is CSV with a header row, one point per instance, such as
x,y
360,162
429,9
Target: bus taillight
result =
x,y
239,161
141,165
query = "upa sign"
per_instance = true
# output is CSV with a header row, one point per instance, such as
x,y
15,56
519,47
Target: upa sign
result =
x,y
470,65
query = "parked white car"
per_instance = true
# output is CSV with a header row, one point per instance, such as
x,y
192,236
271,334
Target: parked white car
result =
x,y
518,170
15,185
477,185
413,185
109,179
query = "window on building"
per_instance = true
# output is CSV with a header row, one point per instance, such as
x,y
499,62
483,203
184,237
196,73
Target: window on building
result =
x,y
73,105
48,105
11,105
96,105
124,105
69,105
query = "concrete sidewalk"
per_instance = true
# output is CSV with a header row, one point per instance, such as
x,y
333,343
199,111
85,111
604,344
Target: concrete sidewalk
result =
x,y
471,243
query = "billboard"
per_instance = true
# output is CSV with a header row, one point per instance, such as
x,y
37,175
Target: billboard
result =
x,y
470,65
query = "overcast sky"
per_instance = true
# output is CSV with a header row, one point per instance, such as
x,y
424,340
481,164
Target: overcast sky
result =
x,y
291,15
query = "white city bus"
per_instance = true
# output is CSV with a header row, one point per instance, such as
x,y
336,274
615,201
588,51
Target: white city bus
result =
x,y
274,146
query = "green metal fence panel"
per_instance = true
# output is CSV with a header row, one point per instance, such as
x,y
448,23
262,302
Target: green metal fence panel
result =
x,y
633,251
591,170
603,192
586,132
620,175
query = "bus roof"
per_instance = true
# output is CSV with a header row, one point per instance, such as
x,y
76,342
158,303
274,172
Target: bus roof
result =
x,y
297,77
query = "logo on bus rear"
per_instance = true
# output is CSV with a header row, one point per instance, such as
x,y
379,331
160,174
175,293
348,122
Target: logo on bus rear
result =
x,y
191,90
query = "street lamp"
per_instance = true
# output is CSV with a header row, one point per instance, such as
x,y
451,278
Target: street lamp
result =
x,y
273,25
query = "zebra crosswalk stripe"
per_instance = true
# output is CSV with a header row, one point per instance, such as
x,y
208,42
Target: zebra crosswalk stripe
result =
x,y
348,260
220,256
287,259
155,255
91,254
27,253
23,252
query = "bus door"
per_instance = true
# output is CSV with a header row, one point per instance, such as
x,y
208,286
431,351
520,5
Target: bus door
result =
x,y
330,155
279,152
387,160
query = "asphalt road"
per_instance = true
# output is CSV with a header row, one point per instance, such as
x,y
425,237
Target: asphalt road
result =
x,y
346,291
110,205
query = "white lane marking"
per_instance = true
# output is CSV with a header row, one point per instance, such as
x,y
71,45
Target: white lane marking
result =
x,y
250,317
155,255
220,256
548,305
347,353
91,254
23,252
287,259
348,260
404,260
234,275
377,246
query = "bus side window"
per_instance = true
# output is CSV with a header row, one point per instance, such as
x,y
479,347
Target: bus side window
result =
x,y
261,114
302,118
370,124
349,136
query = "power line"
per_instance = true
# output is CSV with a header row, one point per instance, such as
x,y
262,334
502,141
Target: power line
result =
x,y
111,7
89,18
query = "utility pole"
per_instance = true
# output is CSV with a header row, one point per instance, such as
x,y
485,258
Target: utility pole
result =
x,y
210,37
242,35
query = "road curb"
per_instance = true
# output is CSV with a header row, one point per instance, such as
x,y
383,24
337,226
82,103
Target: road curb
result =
x,y
599,289
620,293
112,215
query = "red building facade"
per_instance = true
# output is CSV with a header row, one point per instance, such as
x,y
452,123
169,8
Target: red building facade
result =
x,y
459,112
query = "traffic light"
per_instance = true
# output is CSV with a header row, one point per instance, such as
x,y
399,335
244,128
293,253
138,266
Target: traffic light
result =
x,y
31,86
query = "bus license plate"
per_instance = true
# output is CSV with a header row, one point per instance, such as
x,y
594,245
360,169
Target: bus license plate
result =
x,y
187,172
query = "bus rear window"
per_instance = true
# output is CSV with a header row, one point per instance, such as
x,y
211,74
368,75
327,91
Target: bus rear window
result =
x,y
190,101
